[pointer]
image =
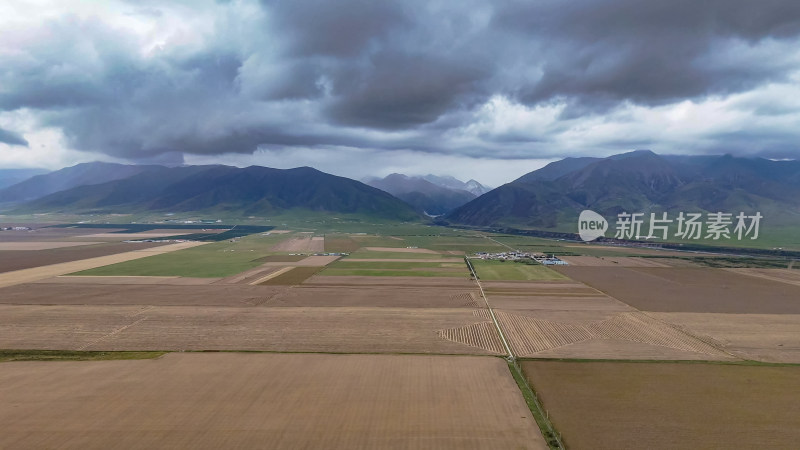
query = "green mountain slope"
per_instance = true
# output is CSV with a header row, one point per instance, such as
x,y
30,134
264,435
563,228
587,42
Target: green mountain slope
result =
x,y
250,191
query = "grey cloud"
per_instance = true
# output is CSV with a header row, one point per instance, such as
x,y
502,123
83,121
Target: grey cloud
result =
x,y
339,29
404,90
603,52
391,74
12,138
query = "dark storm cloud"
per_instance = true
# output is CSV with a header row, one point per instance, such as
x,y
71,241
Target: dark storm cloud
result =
x,y
403,90
340,29
11,138
387,74
603,52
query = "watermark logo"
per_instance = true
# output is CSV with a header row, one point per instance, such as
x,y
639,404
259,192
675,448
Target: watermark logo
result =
x,y
686,226
591,225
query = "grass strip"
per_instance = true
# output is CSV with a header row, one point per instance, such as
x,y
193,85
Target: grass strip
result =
x,y
72,355
551,436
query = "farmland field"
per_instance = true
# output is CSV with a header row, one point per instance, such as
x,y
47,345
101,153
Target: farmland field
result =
x,y
393,298
690,289
267,401
509,270
39,273
23,259
612,405
338,329
219,259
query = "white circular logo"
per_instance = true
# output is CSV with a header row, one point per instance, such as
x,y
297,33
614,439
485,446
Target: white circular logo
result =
x,y
591,225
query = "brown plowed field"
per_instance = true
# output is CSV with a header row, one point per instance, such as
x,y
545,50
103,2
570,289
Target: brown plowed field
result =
x,y
690,290
399,260
608,405
291,277
266,401
289,329
23,259
609,349
789,276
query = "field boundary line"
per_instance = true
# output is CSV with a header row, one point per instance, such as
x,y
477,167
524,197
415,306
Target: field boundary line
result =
x,y
549,433
491,311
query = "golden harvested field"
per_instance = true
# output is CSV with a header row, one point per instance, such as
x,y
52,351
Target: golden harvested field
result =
x,y
654,339
40,273
282,329
615,405
690,289
569,320
266,401
761,337
380,297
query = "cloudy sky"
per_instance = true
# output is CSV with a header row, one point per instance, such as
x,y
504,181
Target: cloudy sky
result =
x,y
475,89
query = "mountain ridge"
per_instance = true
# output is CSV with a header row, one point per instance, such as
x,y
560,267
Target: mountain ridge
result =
x,y
253,190
640,181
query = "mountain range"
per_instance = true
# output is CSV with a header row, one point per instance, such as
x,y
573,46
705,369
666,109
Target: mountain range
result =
x,y
220,189
431,195
550,198
640,181
82,174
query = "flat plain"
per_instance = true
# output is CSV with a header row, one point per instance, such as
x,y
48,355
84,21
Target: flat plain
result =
x,y
613,405
266,401
399,313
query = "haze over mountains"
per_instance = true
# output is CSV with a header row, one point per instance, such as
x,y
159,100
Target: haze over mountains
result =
x,y
82,174
432,195
9,177
640,181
